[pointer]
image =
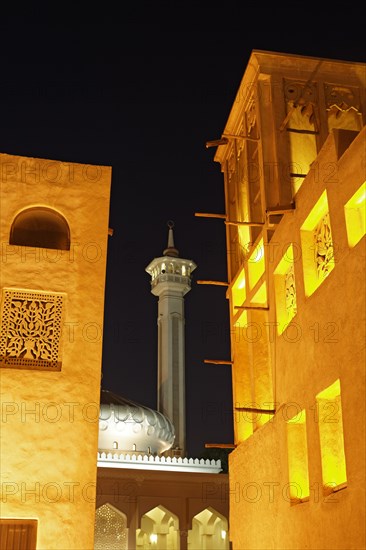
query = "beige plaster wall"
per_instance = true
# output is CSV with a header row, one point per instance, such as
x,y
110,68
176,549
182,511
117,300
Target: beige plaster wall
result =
x,y
49,420
328,343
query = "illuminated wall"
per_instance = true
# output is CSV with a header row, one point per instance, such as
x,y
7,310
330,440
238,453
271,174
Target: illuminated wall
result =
x,y
294,174
54,231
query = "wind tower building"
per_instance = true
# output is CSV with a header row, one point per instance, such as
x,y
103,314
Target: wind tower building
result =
x,y
171,281
292,154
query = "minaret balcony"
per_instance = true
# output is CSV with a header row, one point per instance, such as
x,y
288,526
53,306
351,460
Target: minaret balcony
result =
x,y
171,278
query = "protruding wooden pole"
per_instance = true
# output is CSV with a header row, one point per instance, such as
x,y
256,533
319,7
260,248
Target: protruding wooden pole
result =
x,y
250,224
217,283
209,215
217,362
252,307
255,410
220,445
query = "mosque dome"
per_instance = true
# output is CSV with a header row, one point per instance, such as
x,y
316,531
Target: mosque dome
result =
x,y
131,427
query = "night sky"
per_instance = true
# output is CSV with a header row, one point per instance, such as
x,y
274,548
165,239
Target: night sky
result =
x,y
142,91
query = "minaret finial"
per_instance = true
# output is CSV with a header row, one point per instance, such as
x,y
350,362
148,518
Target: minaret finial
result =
x,y
171,250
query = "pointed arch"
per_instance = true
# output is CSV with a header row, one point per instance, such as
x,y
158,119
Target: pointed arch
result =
x,y
41,227
209,531
159,529
110,531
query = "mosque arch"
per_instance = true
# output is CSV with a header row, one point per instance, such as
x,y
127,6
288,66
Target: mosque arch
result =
x,y
110,531
209,531
159,530
41,227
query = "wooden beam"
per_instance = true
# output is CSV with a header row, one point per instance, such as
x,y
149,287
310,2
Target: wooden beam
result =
x,y
218,283
250,224
208,215
217,362
253,409
220,445
280,209
232,136
252,307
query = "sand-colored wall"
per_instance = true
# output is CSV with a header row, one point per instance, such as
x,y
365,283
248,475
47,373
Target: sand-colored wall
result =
x,y
326,343
49,420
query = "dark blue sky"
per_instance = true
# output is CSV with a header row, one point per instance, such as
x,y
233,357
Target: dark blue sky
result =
x,y
142,91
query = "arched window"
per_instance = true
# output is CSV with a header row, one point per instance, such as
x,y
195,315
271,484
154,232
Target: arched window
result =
x,y
40,227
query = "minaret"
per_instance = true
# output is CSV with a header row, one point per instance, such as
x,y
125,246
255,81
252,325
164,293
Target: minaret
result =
x,y
170,281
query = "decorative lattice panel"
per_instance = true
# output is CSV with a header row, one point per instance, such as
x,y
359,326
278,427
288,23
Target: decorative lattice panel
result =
x,y
110,529
30,330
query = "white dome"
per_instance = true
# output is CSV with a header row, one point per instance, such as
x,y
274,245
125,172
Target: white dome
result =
x,y
131,427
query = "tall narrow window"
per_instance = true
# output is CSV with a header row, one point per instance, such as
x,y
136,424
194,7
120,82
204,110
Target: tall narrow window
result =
x,y
285,290
301,127
238,292
40,227
317,245
298,458
256,264
241,373
355,212
333,458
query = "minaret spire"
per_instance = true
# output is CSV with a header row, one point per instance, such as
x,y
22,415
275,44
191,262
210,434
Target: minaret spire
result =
x,y
171,250
170,281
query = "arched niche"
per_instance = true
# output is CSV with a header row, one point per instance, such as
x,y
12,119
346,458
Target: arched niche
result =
x,y
209,531
159,530
40,227
110,532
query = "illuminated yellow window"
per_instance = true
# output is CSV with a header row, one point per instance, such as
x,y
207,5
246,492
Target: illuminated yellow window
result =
x,y
301,128
317,246
260,297
355,212
244,236
285,290
297,449
331,438
241,376
256,264
238,292
240,327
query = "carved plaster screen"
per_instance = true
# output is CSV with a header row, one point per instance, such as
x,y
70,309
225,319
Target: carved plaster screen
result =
x,y
30,329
